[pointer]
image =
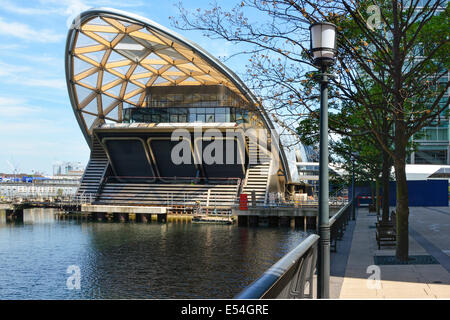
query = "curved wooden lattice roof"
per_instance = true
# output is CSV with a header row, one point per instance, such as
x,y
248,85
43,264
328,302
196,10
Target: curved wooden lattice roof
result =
x,y
112,57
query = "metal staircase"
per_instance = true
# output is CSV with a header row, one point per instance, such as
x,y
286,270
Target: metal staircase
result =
x,y
95,171
257,176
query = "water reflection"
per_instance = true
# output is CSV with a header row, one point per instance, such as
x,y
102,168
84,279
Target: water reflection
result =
x,y
133,260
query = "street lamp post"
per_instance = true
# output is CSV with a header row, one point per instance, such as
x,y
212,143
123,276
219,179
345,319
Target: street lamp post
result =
x,y
323,50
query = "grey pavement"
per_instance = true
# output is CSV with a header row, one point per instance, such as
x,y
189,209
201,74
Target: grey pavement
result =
x,y
429,235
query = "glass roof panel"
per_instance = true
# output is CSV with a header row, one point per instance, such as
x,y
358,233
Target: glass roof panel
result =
x,y
115,91
107,101
108,36
131,49
88,119
172,53
190,80
108,78
143,80
131,87
122,70
139,69
92,106
91,80
98,21
125,23
82,92
96,55
80,66
85,41
114,56
152,58
160,80
114,114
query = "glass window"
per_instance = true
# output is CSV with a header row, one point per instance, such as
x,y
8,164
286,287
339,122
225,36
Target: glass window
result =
x,y
210,118
201,117
192,117
221,117
164,117
173,118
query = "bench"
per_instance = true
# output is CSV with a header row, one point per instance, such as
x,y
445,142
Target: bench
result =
x,y
385,235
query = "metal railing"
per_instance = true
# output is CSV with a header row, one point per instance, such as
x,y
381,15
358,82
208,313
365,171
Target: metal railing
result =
x,y
338,223
290,277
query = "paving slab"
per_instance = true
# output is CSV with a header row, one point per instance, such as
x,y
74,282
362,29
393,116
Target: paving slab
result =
x,y
429,235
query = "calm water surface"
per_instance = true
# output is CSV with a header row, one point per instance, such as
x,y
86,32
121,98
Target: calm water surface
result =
x,y
133,260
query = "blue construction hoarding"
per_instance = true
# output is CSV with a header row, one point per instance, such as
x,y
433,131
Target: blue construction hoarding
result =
x,y
423,193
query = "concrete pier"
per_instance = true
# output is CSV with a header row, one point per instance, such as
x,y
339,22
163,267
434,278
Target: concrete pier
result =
x,y
121,217
285,221
294,217
14,215
243,221
143,217
127,213
99,216
300,222
162,218
273,221
253,221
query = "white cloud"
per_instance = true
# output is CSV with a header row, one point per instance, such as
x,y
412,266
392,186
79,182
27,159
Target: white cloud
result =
x,y
16,107
26,76
11,7
25,32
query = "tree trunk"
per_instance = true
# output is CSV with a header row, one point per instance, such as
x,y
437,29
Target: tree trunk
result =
x,y
377,195
402,205
372,197
385,174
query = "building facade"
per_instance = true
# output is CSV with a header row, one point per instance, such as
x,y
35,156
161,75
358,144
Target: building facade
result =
x,y
433,142
167,123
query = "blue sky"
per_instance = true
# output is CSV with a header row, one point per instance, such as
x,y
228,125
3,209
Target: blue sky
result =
x,y
37,124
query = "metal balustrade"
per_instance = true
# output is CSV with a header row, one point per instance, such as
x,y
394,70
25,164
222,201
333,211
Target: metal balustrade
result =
x,y
338,223
292,276
289,278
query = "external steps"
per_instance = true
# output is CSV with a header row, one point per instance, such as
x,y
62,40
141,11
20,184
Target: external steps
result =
x,y
168,194
95,170
257,173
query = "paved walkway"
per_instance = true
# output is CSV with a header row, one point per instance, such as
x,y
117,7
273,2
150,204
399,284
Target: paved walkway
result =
x,y
429,235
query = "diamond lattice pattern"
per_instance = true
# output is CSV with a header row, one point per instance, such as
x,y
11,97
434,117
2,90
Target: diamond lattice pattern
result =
x,y
114,61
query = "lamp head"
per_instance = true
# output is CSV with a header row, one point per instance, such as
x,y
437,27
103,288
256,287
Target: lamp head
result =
x,y
323,43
